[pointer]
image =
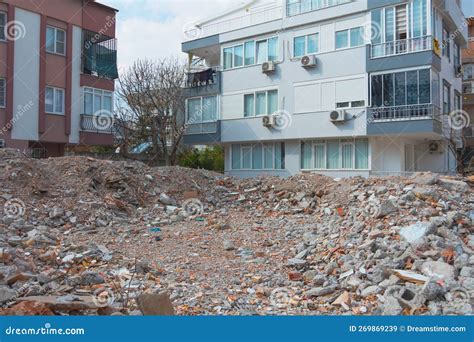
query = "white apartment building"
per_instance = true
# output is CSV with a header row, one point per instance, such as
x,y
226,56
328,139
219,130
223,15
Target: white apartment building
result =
x,y
338,87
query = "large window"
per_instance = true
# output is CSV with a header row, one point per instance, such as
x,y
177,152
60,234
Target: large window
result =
x,y
446,44
54,100
250,53
55,40
294,7
350,38
3,23
335,154
3,92
202,109
306,45
260,103
446,97
97,101
260,156
401,88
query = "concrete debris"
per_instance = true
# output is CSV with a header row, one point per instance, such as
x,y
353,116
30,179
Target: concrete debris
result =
x,y
86,236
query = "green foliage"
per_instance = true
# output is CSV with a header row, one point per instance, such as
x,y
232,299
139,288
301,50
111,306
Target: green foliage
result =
x,y
211,158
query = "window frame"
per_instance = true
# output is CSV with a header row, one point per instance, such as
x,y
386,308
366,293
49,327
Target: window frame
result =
x,y
97,92
341,143
201,109
55,91
4,93
306,44
255,52
349,33
4,15
446,85
56,29
263,147
254,94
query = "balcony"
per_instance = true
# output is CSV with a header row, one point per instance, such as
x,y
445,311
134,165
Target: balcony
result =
x,y
303,6
202,133
423,118
93,124
400,47
202,83
99,55
251,19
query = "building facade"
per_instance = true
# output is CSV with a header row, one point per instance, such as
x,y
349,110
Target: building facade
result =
x,y
468,93
338,87
58,63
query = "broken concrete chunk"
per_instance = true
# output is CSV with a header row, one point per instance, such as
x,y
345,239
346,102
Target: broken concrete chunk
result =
x,y
386,208
157,304
438,270
415,233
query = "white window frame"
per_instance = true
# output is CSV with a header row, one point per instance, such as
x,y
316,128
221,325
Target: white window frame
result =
x,y
306,53
202,101
55,92
255,41
2,28
349,40
4,81
97,92
255,102
56,52
341,142
244,146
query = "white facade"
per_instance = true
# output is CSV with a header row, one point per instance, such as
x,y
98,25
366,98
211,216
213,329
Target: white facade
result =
x,y
391,137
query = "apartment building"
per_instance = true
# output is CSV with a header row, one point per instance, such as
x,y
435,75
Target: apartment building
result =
x,y
58,63
468,93
338,87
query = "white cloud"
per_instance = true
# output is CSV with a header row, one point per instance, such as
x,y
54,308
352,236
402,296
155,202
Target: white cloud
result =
x,y
154,28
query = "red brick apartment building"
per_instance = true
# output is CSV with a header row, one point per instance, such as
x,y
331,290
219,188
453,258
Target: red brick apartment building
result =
x,y
58,63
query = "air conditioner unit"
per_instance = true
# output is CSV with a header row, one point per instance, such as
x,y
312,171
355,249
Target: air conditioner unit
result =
x,y
268,121
309,61
2,143
337,116
459,71
435,147
268,67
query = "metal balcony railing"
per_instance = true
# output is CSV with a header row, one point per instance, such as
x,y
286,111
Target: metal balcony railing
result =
x,y
403,46
202,78
202,128
95,124
99,55
251,19
404,113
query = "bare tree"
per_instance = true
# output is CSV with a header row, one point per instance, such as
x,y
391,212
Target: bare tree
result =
x,y
153,106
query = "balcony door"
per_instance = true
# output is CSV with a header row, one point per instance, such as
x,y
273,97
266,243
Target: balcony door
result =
x,y
410,160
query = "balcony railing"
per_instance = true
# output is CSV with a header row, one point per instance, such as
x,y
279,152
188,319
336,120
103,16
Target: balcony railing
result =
x,y
202,78
251,19
403,46
405,113
202,128
304,6
95,124
99,55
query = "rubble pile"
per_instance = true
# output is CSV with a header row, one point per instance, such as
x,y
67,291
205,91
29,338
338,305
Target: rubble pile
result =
x,y
79,235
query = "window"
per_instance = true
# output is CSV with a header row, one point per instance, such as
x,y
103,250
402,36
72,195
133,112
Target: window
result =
x,y
295,7
97,100
260,103
457,101
457,56
446,97
202,109
468,71
260,156
401,88
446,44
250,53
3,23
55,40
3,92
54,100
350,38
348,154
306,45
352,104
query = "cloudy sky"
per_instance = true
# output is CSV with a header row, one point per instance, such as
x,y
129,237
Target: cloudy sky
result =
x,y
154,28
